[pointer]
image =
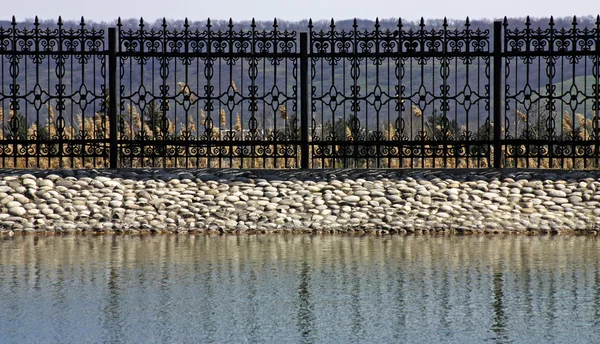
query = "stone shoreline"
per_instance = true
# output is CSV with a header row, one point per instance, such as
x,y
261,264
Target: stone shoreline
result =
x,y
306,201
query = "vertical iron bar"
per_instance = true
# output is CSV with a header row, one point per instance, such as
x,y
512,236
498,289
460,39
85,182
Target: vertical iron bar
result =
x,y
304,101
112,95
497,82
14,105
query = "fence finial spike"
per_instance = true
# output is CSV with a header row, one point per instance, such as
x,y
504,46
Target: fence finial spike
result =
x,y
399,21
119,22
310,24
598,20
376,21
14,21
468,21
528,21
422,23
59,21
82,21
164,23
36,22
574,20
141,21
332,24
186,23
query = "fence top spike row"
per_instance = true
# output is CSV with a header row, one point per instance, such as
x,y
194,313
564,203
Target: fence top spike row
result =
x,y
332,23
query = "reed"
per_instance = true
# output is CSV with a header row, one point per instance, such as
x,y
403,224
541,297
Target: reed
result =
x,y
46,147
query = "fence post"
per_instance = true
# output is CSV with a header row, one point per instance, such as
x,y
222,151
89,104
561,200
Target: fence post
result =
x,y
112,95
304,101
497,82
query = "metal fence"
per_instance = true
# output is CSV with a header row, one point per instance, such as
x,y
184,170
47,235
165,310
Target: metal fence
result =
x,y
394,97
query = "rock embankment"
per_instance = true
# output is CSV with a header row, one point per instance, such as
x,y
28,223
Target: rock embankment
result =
x,y
383,201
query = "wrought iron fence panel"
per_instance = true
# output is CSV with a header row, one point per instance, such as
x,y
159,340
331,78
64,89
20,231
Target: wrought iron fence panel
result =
x,y
552,95
400,98
397,99
204,98
53,97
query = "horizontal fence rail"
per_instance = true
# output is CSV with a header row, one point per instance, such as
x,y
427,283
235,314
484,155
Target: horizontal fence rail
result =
x,y
387,96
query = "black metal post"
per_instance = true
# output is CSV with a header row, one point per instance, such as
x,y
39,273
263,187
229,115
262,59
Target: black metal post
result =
x,y
597,95
304,100
497,82
112,95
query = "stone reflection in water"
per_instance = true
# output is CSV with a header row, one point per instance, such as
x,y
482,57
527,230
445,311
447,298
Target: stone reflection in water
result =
x,y
78,289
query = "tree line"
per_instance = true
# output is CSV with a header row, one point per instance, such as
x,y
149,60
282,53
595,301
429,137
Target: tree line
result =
x,y
302,25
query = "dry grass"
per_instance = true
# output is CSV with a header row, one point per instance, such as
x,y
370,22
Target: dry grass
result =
x,y
87,129
576,153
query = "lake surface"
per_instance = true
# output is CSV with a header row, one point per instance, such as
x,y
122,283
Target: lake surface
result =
x,y
299,289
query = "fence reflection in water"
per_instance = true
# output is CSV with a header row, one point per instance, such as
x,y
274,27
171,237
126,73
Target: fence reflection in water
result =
x,y
300,288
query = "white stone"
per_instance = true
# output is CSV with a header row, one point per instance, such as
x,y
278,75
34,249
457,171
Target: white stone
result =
x,y
12,204
17,211
351,199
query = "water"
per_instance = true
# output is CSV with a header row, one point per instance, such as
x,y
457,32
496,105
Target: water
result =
x,y
273,289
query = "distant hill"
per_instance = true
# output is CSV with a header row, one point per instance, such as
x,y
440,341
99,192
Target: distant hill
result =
x,y
418,80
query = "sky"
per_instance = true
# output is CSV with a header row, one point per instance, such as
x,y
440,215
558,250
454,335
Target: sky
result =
x,y
242,10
